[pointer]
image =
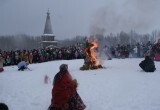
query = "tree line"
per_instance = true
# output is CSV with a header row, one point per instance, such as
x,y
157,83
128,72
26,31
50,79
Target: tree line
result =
x,y
12,42
23,41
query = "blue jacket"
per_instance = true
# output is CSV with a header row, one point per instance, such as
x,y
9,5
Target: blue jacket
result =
x,y
22,63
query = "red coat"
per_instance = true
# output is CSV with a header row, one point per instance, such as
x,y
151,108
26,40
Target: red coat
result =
x,y
63,90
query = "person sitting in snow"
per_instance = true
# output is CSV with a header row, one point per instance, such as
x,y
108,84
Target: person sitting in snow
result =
x,y
64,94
2,61
148,64
22,65
3,106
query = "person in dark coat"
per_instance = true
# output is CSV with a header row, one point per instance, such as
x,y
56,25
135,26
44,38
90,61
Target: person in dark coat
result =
x,y
148,64
64,94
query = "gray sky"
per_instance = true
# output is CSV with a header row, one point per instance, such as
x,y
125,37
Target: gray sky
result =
x,y
78,17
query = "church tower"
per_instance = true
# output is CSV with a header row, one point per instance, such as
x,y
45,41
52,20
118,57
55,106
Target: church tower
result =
x,y
48,38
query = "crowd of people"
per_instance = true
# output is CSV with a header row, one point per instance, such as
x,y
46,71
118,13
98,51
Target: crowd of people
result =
x,y
41,55
133,51
76,52
8,58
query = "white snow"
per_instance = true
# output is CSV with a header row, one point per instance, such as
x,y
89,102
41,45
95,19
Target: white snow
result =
x,y
122,85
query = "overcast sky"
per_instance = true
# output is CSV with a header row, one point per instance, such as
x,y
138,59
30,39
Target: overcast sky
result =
x,y
78,17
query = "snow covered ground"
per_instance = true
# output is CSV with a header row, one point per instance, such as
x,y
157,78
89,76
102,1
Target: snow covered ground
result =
x,y
121,86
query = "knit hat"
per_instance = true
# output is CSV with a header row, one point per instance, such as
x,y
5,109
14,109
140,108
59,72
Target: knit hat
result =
x,y
63,67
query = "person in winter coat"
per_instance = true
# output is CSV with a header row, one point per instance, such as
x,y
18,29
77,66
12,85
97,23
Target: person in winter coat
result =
x,y
8,60
2,61
148,64
22,65
64,94
30,57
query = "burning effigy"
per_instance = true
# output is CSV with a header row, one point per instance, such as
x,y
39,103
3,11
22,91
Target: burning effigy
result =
x,y
90,60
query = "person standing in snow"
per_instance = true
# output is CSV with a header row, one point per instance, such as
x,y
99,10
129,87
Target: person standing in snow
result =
x,y
2,61
64,93
22,65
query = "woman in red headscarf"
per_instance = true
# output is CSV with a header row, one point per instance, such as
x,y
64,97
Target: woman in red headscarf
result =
x,y
64,94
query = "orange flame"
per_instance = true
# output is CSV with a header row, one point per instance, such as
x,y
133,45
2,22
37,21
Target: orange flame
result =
x,y
90,50
93,54
91,59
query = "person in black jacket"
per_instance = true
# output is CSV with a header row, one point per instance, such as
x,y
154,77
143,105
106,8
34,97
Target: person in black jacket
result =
x,y
148,64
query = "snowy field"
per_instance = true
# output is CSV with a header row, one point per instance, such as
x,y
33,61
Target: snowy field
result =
x,y
122,85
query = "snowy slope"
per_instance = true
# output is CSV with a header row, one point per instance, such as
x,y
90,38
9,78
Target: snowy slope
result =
x,y
121,86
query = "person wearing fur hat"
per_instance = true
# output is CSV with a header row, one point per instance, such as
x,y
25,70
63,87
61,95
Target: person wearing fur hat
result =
x,y
147,64
64,93
2,61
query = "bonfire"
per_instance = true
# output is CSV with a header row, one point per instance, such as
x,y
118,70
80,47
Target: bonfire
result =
x,y
90,60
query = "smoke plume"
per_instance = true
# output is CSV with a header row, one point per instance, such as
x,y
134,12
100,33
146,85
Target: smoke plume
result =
x,y
139,15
